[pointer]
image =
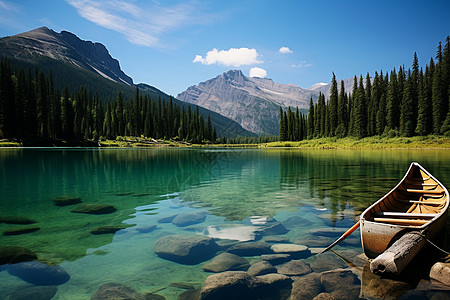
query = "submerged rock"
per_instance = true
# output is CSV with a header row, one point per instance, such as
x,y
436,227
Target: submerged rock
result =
x,y
296,221
274,229
294,250
228,285
189,250
17,220
261,268
381,288
250,249
241,285
325,296
306,287
146,229
21,230
183,220
276,259
441,272
325,262
151,296
66,200
117,291
107,229
167,219
95,209
276,239
190,295
294,268
339,281
226,262
38,273
34,293
13,255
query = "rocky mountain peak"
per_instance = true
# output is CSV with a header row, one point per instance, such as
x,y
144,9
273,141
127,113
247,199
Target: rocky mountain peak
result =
x,y
64,46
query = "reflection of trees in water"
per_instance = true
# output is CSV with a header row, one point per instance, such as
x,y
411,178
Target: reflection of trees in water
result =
x,y
347,179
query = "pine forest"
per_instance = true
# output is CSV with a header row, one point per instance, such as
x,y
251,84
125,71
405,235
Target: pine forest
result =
x,y
402,103
32,108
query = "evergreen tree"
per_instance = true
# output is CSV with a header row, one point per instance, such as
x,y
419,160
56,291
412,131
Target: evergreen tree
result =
x,y
392,106
422,122
283,130
370,109
406,111
360,123
342,128
333,106
311,119
7,110
437,100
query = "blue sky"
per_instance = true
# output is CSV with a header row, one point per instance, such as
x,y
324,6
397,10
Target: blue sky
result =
x,y
175,44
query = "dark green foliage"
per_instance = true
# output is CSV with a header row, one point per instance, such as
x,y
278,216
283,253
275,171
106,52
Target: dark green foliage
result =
x,y
333,107
406,111
31,107
293,125
407,103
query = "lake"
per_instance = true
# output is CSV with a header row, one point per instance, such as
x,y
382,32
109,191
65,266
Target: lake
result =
x,y
232,195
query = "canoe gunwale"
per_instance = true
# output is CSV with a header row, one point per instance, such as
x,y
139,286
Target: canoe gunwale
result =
x,y
370,229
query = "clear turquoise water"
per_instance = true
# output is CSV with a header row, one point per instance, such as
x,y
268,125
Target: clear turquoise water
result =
x,y
328,188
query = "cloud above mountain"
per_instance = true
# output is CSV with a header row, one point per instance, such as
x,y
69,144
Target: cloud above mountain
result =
x,y
258,72
233,57
285,50
144,23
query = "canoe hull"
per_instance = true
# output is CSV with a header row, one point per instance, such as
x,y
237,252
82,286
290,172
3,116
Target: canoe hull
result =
x,y
377,235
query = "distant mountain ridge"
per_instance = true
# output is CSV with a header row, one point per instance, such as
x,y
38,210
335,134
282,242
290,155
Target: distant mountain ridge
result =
x,y
254,102
64,46
76,63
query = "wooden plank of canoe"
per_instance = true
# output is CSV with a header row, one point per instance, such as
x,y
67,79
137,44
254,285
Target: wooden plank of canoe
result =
x,y
421,202
404,215
424,191
407,222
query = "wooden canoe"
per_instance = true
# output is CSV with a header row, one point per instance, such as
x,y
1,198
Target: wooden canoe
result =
x,y
419,202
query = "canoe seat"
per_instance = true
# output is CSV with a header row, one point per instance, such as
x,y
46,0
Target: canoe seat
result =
x,y
406,222
421,202
404,215
423,191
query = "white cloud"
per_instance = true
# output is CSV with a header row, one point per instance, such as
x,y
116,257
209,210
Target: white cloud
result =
x,y
234,57
141,24
258,72
285,50
5,5
302,64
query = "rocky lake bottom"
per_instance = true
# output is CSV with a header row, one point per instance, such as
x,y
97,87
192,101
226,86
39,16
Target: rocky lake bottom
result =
x,y
177,224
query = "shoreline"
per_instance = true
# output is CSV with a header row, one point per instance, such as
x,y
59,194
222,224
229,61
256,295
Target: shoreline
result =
x,y
370,143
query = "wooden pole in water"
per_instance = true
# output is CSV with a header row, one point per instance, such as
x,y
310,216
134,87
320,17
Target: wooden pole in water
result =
x,y
343,237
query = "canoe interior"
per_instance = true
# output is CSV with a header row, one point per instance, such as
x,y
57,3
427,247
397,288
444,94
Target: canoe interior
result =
x,y
416,201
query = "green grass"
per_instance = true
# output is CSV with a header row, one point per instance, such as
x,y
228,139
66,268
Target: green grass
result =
x,y
375,142
8,143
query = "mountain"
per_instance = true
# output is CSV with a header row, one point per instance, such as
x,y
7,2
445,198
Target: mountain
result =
x,y
252,102
224,126
74,63
64,46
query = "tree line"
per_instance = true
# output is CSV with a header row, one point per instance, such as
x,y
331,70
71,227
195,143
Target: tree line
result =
x,y
404,103
31,107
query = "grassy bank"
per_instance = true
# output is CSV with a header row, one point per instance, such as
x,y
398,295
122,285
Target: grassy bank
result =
x,y
375,142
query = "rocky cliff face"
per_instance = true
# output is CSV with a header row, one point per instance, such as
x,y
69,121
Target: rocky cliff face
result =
x,y
64,46
252,102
